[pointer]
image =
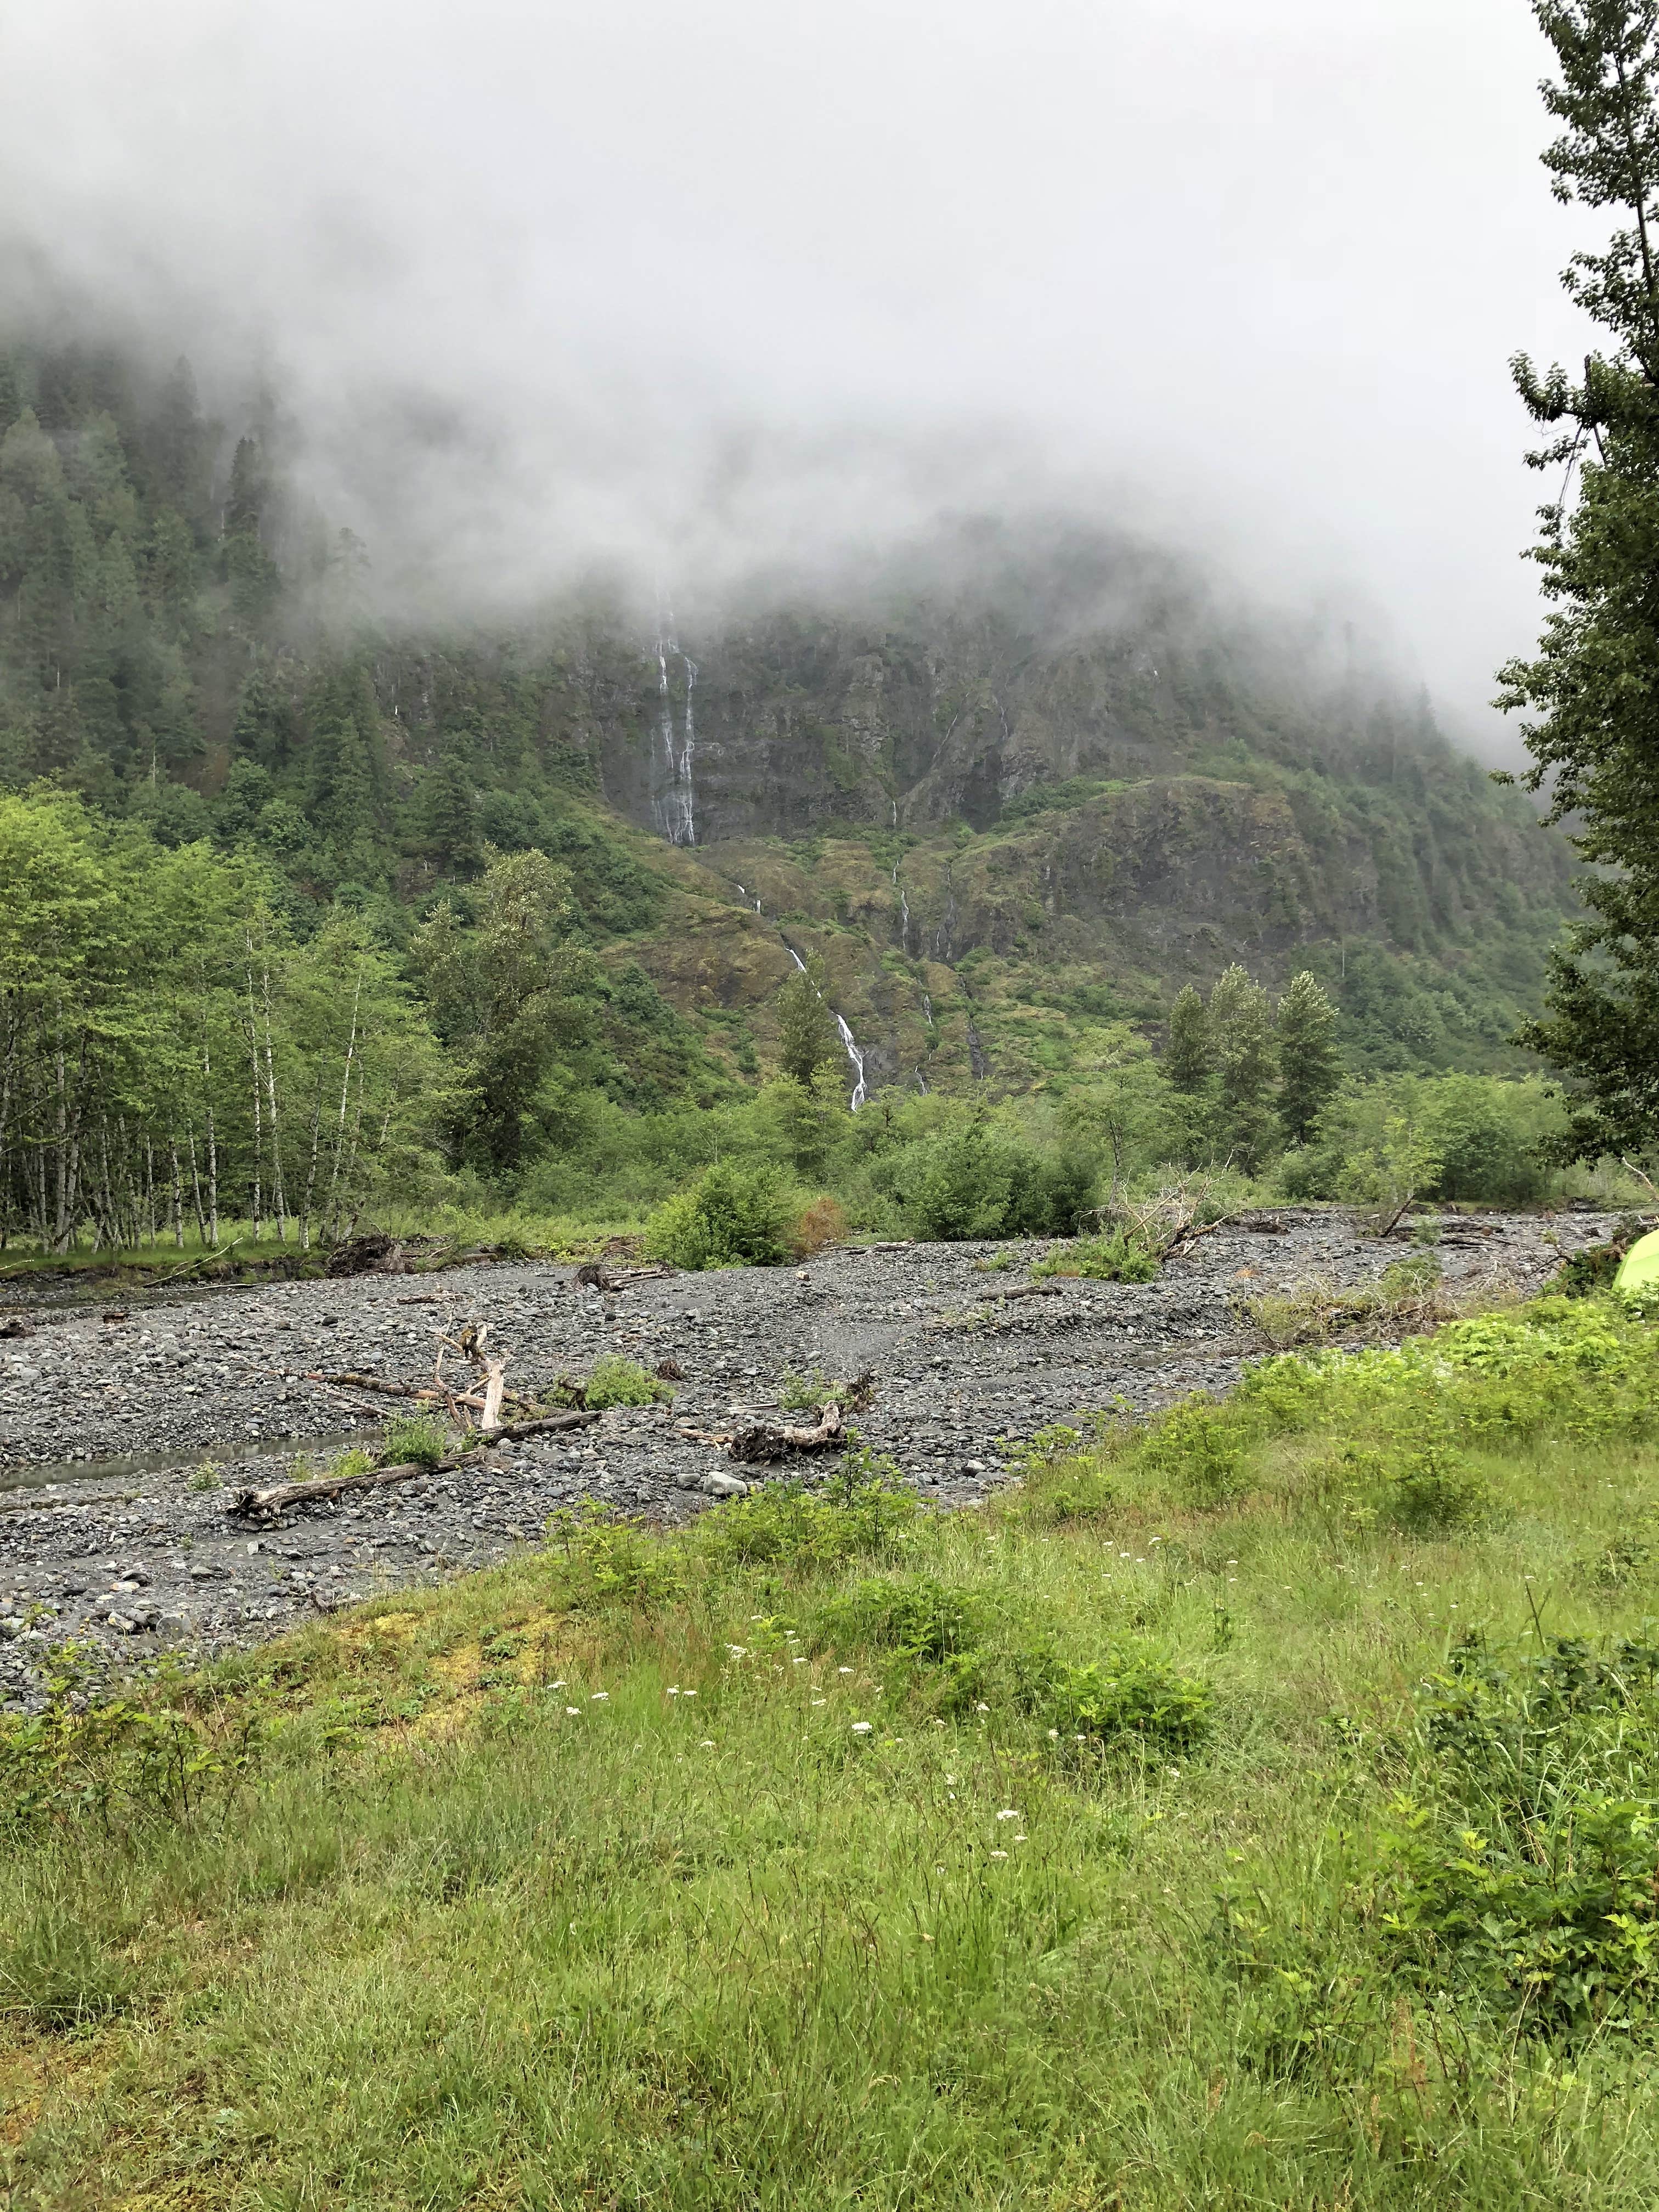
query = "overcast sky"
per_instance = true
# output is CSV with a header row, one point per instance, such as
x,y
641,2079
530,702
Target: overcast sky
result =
x,y
707,284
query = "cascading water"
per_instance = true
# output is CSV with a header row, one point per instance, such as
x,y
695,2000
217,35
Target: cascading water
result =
x,y
683,776
673,795
849,1043
857,1059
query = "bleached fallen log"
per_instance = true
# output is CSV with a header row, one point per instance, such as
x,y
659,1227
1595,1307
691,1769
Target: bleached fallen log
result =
x,y
493,1387
270,1504
767,1440
425,1393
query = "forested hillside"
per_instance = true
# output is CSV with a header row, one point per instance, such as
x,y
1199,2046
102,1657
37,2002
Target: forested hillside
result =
x,y
1013,793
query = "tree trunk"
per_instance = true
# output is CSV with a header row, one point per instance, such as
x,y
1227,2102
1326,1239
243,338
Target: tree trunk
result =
x,y
276,1199
345,1094
196,1189
259,1124
177,1195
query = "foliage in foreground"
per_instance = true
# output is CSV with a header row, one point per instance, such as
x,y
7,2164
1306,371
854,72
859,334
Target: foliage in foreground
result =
x,y
837,1851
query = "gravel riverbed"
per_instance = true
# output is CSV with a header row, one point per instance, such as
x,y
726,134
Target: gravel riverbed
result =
x,y
124,1547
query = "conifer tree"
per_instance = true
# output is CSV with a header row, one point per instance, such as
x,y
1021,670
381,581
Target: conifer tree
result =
x,y
1592,691
1241,1031
807,1036
1188,1062
1310,1066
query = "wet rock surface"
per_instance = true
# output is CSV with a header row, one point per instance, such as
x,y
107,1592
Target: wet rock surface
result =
x,y
126,1546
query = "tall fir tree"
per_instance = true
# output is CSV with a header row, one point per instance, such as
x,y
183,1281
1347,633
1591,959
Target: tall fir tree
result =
x,y
1188,1062
1591,693
807,1037
1242,1028
1310,1065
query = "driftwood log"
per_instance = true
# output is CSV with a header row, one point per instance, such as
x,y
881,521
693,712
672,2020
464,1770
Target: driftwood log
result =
x,y
269,1505
592,1276
766,1440
427,1392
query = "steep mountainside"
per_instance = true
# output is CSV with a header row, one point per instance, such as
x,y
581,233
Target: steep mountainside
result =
x,y
1018,787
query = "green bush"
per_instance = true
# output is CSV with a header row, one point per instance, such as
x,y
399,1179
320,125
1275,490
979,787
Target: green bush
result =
x,y
792,1528
122,1762
1526,1862
968,1651
730,1217
611,1560
412,1440
1436,1492
974,1179
614,1381
1198,1449
916,1616
1116,1258
960,1184
1131,1696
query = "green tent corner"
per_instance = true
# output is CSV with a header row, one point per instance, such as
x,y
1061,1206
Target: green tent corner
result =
x,y
1639,1268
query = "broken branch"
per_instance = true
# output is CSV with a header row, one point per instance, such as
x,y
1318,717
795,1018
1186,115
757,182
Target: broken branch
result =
x,y
269,1504
764,1440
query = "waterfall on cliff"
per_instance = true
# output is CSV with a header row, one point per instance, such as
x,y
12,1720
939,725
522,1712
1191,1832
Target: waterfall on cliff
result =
x,y
849,1043
673,796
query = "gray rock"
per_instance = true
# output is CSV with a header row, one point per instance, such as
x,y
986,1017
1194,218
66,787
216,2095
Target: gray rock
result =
x,y
724,1486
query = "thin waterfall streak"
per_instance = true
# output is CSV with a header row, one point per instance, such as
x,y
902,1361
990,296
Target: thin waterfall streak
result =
x,y
850,1047
684,781
849,1043
673,797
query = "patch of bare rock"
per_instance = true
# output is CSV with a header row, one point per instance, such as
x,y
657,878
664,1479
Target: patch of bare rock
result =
x,y
106,1534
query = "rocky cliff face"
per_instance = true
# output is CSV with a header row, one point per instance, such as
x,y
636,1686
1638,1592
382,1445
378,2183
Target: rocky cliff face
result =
x,y
1062,777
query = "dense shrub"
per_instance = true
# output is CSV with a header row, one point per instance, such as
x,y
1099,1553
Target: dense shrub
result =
x,y
730,1217
1475,1140
1434,1492
914,1615
1200,1453
412,1440
978,1179
615,1380
788,1526
1525,1861
1117,1258
1131,1696
966,1650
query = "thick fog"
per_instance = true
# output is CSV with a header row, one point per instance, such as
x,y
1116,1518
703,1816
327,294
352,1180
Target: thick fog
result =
x,y
742,286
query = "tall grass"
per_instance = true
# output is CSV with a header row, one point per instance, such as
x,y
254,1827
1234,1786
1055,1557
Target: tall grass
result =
x,y
836,1853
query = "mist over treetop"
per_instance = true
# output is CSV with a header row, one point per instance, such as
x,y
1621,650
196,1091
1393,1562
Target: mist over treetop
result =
x,y
600,287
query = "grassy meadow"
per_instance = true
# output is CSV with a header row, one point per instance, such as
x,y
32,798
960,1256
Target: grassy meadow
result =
x,y
1260,1809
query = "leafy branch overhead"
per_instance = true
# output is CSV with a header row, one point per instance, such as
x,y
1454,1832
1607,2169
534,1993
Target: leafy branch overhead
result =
x,y
1590,695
